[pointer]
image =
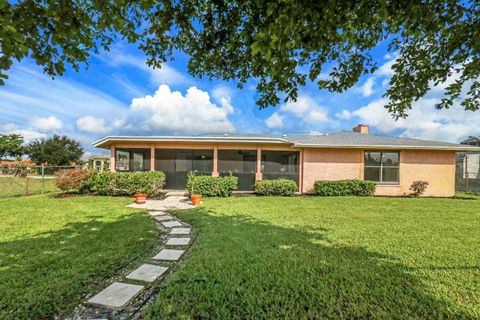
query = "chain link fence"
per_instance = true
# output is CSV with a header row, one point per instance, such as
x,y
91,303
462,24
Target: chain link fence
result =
x,y
28,180
468,172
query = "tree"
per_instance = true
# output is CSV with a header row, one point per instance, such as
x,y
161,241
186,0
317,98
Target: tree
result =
x,y
11,145
57,150
472,141
280,44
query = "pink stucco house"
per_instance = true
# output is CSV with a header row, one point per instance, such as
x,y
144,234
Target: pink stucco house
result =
x,y
394,163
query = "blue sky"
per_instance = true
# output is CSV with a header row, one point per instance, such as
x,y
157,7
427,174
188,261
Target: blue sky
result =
x,y
120,94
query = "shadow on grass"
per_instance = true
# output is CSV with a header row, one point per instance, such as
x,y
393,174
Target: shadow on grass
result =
x,y
50,273
242,268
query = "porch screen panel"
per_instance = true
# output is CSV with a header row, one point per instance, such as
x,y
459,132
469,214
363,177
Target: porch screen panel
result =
x,y
132,159
280,164
177,163
165,162
240,163
202,162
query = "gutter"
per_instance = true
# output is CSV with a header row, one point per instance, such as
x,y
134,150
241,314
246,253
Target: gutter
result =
x,y
390,147
189,139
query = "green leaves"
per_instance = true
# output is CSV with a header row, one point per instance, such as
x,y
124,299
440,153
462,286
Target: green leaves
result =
x,y
56,150
11,145
277,43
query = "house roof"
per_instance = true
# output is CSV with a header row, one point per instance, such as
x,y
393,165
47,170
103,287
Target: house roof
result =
x,y
342,139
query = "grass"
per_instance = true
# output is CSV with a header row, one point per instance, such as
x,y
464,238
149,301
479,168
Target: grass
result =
x,y
338,257
54,251
16,186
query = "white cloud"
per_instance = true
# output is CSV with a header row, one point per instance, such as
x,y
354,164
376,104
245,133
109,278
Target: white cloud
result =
x,y
92,125
223,94
50,123
305,109
385,70
424,121
320,116
275,121
27,134
367,88
171,112
164,75
343,115
29,93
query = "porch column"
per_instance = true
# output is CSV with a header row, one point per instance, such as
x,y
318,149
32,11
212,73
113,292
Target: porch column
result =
x,y
112,158
258,173
215,161
152,157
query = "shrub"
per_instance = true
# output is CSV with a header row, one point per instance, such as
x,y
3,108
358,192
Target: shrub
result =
x,y
209,186
418,188
71,179
277,187
125,183
345,188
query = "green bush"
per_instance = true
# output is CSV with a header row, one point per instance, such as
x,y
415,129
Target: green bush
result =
x,y
344,188
277,187
71,179
209,186
125,183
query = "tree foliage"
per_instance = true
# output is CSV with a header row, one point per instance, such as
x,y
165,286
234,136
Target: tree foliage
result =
x,y
11,145
281,44
56,150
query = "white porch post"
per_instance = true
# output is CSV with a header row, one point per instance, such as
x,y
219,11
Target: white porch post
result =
x,y
152,157
258,173
112,158
215,161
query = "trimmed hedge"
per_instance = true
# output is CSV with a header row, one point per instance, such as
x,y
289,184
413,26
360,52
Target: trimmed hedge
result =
x,y
125,183
344,188
209,186
277,187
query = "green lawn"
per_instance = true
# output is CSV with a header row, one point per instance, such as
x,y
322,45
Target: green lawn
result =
x,y
336,258
54,251
16,186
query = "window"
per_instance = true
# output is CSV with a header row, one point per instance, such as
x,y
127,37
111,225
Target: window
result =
x,y
382,166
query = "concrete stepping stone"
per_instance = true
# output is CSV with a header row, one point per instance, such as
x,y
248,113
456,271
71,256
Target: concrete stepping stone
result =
x,y
116,295
169,255
147,272
180,231
163,217
171,224
178,241
154,213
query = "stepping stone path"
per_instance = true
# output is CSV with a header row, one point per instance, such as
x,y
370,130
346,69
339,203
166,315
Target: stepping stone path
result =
x,y
120,294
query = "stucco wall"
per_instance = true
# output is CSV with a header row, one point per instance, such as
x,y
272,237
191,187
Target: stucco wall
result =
x,y
435,167
330,164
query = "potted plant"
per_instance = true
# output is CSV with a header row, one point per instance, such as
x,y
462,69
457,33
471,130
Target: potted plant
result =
x,y
196,197
140,198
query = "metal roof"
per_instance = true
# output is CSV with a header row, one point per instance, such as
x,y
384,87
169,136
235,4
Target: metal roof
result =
x,y
342,139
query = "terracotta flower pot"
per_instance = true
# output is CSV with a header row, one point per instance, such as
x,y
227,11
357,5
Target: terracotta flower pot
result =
x,y
140,198
196,199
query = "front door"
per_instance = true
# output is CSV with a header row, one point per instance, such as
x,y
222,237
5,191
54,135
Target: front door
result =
x,y
183,165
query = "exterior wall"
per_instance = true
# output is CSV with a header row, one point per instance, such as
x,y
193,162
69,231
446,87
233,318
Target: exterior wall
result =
x,y
435,167
330,164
